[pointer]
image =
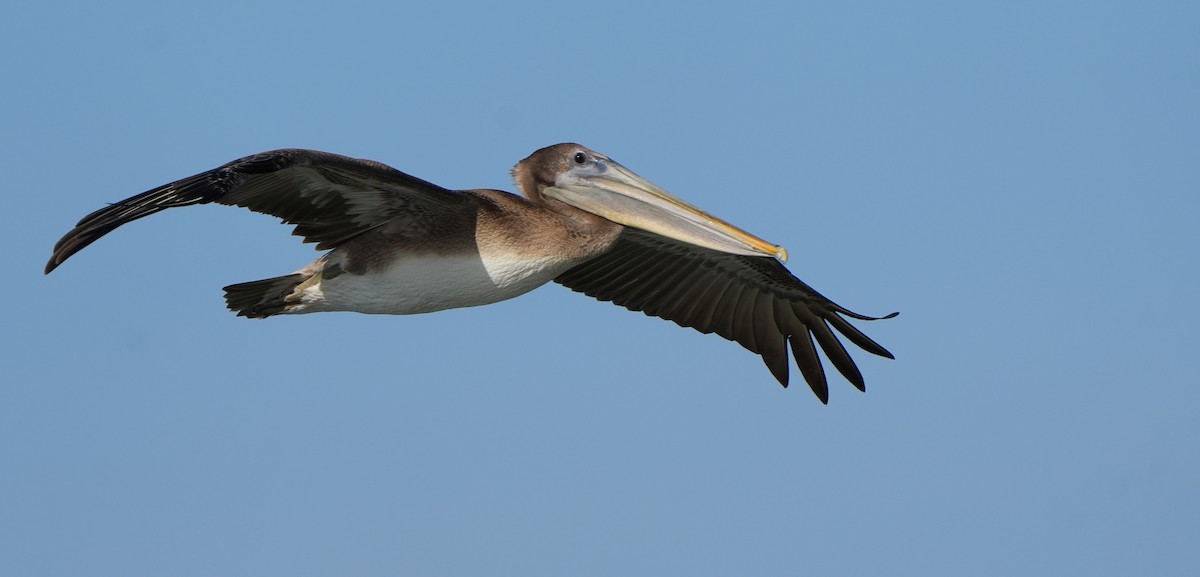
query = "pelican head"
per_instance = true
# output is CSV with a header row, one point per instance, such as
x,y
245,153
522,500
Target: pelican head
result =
x,y
594,183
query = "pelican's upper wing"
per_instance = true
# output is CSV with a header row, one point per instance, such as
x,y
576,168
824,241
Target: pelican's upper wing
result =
x,y
749,299
330,198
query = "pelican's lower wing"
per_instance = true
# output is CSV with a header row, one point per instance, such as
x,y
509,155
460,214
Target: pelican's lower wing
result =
x,y
752,300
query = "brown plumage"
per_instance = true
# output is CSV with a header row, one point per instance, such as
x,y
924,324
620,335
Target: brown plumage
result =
x,y
401,245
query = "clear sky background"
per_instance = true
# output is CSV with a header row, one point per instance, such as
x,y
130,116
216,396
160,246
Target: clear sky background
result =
x,y
1018,179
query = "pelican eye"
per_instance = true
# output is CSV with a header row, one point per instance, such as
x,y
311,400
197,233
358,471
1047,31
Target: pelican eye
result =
x,y
580,158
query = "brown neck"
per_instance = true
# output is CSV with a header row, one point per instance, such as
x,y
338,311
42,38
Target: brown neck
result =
x,y
528,184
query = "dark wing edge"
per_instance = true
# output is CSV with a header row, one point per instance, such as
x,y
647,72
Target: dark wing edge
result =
x,y
330,198
754,301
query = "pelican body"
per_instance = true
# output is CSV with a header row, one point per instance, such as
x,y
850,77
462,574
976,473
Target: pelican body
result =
x,y
400,245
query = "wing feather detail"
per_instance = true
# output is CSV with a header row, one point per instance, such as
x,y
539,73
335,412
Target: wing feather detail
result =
x,y
328,197
753,301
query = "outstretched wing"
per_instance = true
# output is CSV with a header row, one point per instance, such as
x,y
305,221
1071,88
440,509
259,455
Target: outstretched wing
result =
x,y
752,300
330,198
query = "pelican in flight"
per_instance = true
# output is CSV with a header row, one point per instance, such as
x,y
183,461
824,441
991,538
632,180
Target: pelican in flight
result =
x,y
400,245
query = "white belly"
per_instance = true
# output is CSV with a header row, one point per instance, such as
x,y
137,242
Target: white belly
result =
x,y
422,284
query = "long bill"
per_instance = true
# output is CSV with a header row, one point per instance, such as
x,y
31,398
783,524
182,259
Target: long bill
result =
x,y
620,195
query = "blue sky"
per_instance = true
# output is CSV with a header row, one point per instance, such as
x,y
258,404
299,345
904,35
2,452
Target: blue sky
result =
x,y
1018,179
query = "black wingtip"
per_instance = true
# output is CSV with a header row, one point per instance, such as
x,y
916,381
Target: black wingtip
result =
x,y
778,365
859,316
821,391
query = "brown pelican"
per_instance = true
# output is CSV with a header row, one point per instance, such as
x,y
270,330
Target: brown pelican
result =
x,y
401,245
